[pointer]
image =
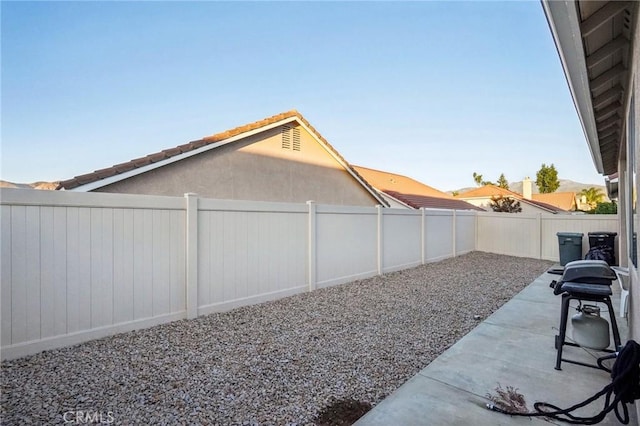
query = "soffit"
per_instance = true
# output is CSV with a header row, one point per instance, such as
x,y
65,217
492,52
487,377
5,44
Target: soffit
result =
x,y
605,28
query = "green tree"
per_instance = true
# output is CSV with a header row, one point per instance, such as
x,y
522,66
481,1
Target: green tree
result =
x,y
606,208
592,196
477,178
503,182
547,179
455,193
505,205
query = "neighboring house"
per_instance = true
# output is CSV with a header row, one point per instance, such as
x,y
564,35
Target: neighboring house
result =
x,y
404,192
281,158
482,196
563,200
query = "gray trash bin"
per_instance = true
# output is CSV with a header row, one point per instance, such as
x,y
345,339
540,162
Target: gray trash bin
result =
x,y
570,244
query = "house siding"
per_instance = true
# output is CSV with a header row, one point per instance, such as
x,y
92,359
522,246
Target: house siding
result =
x,y
255,168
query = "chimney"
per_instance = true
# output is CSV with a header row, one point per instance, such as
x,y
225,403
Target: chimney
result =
x,y
526,188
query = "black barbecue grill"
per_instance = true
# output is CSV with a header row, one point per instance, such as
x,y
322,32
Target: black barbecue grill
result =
x,y
584,280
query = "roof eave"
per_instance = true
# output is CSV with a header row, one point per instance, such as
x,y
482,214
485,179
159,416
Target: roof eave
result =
x,y
391,197
564,23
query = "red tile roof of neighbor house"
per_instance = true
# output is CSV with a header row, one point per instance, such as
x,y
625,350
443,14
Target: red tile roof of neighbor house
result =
x,y
207,140
562,200
411,192
488,191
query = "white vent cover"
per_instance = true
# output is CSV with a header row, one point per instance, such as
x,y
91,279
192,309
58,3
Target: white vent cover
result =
x,y
291,138
286,137
296,138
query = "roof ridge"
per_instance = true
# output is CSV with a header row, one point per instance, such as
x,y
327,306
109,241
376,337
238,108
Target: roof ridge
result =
x,y
252,126
383,171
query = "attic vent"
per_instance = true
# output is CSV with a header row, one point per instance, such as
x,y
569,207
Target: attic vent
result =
x,y
286,137
291,137
296,138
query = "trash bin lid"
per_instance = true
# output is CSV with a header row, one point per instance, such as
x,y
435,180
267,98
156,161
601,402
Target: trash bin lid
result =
x,y
603,234
570,234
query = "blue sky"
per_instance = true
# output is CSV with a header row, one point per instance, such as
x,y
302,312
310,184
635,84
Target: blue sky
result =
x,y
431,90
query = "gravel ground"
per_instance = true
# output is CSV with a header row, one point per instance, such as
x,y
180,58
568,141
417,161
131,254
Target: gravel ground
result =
x,y
274,363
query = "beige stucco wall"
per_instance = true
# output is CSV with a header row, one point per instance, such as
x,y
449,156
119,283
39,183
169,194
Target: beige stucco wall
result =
x,y
255,168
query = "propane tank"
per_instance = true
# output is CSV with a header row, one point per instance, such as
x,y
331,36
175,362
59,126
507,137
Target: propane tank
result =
x,y
590,330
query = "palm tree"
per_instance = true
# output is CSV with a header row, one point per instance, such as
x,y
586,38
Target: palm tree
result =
x,y
591,196
477,179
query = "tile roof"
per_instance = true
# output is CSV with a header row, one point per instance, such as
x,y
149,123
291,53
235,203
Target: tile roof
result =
x,y
562,200
166,154
411,192
488,191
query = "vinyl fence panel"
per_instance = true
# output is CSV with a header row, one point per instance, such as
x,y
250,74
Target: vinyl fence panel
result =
x,y
69,266
582,224
346,244
514,234
465,232
438,235
250,253
536,235
78,266
401,248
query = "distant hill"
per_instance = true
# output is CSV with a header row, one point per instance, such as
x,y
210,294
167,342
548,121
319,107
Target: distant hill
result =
x,y
566,185
35,185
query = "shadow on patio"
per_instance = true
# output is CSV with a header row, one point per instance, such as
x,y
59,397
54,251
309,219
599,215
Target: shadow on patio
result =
x,y
513,347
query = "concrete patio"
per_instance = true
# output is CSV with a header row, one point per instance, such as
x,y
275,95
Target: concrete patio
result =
x,y
512,347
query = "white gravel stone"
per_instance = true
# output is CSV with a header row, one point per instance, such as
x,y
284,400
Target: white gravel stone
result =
x,y
275,363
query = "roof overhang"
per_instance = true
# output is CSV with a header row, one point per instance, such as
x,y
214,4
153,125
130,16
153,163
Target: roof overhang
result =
x,y
593,42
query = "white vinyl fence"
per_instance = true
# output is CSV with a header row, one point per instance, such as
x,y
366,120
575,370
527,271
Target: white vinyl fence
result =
x,y
78,266
535,236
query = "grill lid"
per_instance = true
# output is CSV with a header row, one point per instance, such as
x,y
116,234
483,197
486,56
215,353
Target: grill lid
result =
x,y
588,272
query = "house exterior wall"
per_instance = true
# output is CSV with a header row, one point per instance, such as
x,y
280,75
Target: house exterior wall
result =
x,y
631,186
565,22
256,168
